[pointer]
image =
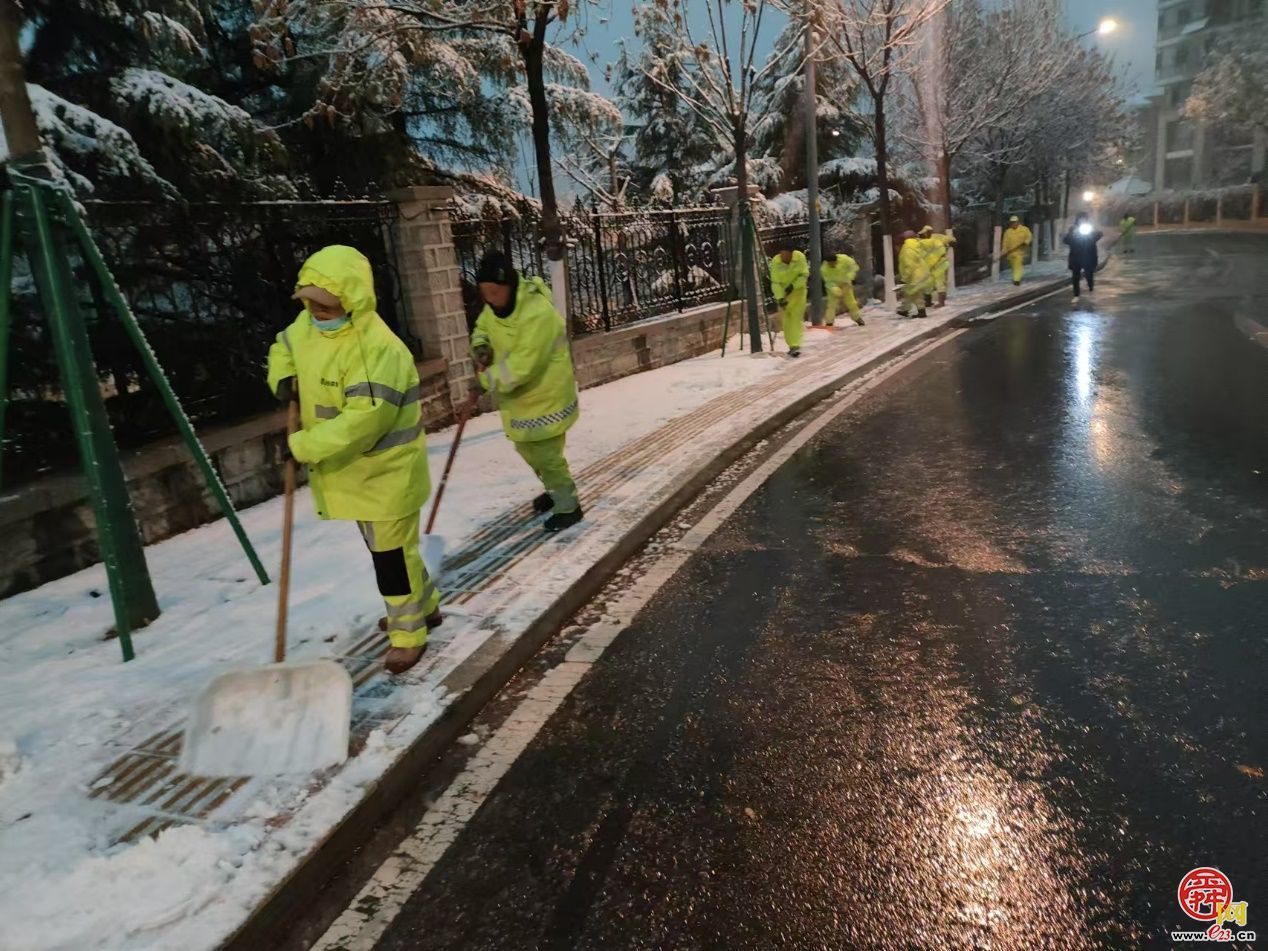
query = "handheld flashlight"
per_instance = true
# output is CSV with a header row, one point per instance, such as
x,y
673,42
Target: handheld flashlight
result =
x,y
1085,228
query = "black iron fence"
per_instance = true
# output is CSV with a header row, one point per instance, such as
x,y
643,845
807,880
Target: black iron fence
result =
x,y
211,285
622,267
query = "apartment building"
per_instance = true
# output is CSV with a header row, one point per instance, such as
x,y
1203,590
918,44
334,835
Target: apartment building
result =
x,y
1187,154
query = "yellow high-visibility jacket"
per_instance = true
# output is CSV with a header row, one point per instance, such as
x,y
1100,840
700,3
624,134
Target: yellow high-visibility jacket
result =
x,y
531,377
1014,240
785,278
913,263
362,429
840,271
936,248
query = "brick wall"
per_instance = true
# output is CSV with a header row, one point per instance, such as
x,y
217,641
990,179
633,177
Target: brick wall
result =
x,y
604,357
48,526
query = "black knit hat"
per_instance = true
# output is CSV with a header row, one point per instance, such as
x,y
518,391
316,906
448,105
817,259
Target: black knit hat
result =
x,y
496,268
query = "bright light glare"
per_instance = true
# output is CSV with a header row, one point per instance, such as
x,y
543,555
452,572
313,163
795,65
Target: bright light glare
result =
x,y
1085,228
835,133
1106,26
1089,195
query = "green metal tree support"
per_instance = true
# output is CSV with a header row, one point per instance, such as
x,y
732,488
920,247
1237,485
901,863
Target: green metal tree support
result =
x,y
42,215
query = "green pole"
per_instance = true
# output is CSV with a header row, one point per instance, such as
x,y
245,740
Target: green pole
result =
x,y
6,287
770,330
131,593
174,408
751,290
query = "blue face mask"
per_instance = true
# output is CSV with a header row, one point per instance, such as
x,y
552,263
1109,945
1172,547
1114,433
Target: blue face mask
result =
x,y
334,323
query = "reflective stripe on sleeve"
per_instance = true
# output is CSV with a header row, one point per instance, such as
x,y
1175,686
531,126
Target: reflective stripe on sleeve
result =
x,y
383,392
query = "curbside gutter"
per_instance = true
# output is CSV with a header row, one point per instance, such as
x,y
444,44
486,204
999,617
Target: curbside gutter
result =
x,y
482,676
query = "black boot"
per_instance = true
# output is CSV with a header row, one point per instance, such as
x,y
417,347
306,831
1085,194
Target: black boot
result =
x,y
543,503
561,520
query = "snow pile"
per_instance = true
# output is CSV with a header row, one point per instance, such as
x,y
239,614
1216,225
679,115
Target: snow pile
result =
x,y
118,900
62,882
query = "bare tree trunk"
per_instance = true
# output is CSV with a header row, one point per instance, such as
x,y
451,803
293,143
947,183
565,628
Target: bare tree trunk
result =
x,y
16,113
944,169
533,49
882,160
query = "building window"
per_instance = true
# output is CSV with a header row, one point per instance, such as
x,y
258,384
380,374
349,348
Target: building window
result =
x,y
1182,56
1177,94
1179,136
1158,63
1178,173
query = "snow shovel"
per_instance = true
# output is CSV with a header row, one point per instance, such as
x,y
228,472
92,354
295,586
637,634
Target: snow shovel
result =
x,y
434,545
281,718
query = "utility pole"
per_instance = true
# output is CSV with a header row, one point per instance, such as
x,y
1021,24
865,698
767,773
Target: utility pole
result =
x,y
812,174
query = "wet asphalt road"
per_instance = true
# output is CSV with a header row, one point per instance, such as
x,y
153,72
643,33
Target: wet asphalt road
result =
x,y
983,666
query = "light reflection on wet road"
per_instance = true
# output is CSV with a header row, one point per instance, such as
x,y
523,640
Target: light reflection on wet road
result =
x,y
983,666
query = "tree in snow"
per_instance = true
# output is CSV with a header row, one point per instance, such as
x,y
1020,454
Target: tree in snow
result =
x,y
671,148
981,66
433,66
779,134
880,40
1074,130
123,103
717,78
1232,90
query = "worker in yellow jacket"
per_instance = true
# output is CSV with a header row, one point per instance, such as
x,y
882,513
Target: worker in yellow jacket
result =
x,y
839,271
913,271
1014,246
789,277
361,433
936,247
520,349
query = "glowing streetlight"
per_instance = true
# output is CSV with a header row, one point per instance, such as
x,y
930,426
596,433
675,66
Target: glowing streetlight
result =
x,y
1089,195
1107,26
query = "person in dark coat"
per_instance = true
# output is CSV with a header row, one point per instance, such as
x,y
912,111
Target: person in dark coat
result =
x,y
1082,240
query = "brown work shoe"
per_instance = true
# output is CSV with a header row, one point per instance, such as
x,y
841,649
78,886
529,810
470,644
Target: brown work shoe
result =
x,y
401,659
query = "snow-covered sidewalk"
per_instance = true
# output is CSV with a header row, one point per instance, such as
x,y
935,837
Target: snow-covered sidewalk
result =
x,y
104,844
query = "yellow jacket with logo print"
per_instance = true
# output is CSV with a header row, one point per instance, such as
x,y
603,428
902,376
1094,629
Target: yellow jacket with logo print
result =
x,y
362,430
531,377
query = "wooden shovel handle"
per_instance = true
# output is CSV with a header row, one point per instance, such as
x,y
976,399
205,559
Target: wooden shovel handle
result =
x,y
463,415
288,523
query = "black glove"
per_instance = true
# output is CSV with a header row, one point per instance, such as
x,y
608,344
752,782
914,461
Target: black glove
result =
x,y
483,357
287,391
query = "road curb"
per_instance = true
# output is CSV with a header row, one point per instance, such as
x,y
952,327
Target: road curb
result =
x,y
478,680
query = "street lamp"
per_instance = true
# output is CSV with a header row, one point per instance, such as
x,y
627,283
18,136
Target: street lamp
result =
x,y
1089,195
1107,26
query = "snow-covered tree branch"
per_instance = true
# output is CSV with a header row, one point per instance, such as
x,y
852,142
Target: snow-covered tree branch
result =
x,y
1233,88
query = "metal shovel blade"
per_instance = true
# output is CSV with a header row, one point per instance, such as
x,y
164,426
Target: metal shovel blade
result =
x,y
267,721
433,555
